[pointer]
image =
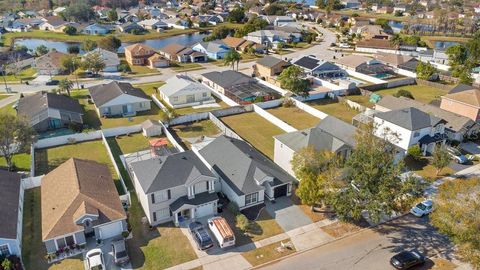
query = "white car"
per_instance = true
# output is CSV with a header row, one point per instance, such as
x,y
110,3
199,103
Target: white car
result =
x,y
422,209
95,260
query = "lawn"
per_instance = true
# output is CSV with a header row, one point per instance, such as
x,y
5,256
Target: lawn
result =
x,y
26,74
158,248
268,253
33,250
189,110
139,69
360,99
90,117
190,132
21,162
295,117
333,108
4,96
8,109
149,88
132,143
425,169
47,159
255,129
422,93
181,67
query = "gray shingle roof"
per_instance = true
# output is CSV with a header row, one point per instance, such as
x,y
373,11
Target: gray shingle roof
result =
x,y
270,61
228,78
410,118
30,106
103,93
239,165
180,83
9,196
199,199
166,172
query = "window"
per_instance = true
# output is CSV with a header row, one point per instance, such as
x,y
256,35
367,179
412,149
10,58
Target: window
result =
x,y
153,197
61,243
251,198
4,251
204,95
175,99
163,213
208,185
141,105
154,216
416,134
169,194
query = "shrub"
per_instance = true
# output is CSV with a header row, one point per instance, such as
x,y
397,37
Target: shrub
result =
x,y
125,234
415,152
233,207
124,68
403,93
242,222
288,103
76,127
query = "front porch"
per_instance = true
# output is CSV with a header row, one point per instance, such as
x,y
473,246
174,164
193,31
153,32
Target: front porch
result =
x,y
428,143
185,210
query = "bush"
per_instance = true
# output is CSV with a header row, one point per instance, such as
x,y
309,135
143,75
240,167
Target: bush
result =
x,y
124,68
233,207
76,127
288,103
73,49
415,152
403,93
242,222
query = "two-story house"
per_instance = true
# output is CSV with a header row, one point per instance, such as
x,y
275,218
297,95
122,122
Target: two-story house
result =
x,y
410,126
138,54
465,103
175,188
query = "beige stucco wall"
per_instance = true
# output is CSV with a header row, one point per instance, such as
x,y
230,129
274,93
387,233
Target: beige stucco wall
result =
x,y
460,108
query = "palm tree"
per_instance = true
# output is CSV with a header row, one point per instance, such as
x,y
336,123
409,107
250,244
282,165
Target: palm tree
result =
x,y
65,85
396,40
231,58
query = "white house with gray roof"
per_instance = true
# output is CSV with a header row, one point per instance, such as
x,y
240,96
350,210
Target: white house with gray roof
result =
x,y
175,188
182,91
331,134
11,211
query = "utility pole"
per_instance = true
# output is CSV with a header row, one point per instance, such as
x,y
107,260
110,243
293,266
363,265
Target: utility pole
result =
x,y
5,80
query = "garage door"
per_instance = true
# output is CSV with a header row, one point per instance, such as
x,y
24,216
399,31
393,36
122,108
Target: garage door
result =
x,y
280,191
204,210
110,230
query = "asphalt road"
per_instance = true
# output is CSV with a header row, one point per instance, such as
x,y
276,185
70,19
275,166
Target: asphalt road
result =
x,y
372,249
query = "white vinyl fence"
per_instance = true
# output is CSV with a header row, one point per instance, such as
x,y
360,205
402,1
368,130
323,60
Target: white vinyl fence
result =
x,y
159,104
67,139
112,132
364,77
32,182
226,130
115,166
171,138
273,119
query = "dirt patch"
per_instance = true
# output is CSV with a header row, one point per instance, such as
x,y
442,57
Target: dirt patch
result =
x,y
339,229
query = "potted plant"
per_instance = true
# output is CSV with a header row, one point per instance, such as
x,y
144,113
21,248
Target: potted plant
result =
x,y
99,242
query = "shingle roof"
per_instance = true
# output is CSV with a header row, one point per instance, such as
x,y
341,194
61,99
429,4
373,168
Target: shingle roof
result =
x,y
214,46
240,165
103,93
172,48
166,172
228,78
353,60
199,199
75,187
410,118
31,105
270,61
50,60
460,87
471,97
9,203
180,83
233,42
376,44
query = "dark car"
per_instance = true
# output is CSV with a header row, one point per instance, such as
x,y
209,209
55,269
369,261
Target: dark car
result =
x,y
407,259
52,82
201,236
119,249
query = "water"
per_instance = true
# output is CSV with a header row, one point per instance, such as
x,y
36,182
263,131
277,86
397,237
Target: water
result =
x,y
396,26
444,44
61,46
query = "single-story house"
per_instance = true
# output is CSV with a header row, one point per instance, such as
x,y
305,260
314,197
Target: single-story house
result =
x,y
182,54
269,66
376,46
153,24
213,49
157,61
131,27
404,62
366,65
79,200
176,187
119,99
111,59
319,68
50,63
46,111
11,211
53,23
183,91
97,29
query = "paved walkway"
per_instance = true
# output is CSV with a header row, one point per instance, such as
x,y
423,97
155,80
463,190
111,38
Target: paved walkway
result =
x,y
4,102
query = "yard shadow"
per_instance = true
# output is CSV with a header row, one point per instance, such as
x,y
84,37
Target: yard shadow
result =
x,y
41,161
178,139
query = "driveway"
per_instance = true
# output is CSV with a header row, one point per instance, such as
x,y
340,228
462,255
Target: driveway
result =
x,y
286,214
107,253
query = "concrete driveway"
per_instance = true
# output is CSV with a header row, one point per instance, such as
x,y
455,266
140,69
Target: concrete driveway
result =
x,y
286,214
106,248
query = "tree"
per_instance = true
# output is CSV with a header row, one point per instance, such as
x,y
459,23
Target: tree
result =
x,y
236,15
78,11
14,131
41,50
441,158
112,15
73,49
403,93
372,177
93,62
7,264
110,43
457,205
396,40
65,85
292,79
70,63
232,58
425,70
219,32
415,152
70,30
88,45
242,222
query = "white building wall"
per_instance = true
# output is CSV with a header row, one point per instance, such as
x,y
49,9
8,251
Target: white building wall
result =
x,y
405,137
282,156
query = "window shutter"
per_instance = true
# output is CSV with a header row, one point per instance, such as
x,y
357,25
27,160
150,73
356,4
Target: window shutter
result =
x,y
153,197
169,194
154,216
208,185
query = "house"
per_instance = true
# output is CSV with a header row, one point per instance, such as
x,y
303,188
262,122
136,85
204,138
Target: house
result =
x,y
176,187
385,10
366,65
278,20
457,127
11,211
138,54
242,45
50,63
79,200
177,23
350,4
208,20
118,98
369,32
404,62
359,21
213,49
182,91
157,61
272,37
53,23
247,177
58,10
97,29
410,126
13,60
269,66
110,59
182,54
331,134
319,68
376,45
46,111
153,24
465,103
131,27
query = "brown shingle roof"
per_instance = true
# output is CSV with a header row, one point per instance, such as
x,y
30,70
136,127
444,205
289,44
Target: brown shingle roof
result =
x,y
140,48
376,44
51,60
172,49
233,42
74,188
471,97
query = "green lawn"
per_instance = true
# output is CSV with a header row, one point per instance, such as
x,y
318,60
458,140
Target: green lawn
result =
x,y
158,248
421,93
21,161
33,250
295,117
25,75
255,129
268,253
132,143
8,109
333,108
4,96
181,67
149,88
425,169
189,110
90,117
139,70
360,99
190,131
47,159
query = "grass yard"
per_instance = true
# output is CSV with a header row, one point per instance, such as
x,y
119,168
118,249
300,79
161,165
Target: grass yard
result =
x,y
426,170
136,70
189,133
181,67
360,99
25,75
90,116
47,159
255,129
268,253
33,250
149,88
8,109
21,162
158,248
295,117
4,96
422,93
132,143
333,108
189,110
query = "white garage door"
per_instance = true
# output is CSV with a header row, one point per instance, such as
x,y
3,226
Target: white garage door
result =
x,y
111,230
204,210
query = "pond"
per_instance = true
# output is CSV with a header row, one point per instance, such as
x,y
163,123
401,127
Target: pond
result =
x,y
61,46
442,45
396,26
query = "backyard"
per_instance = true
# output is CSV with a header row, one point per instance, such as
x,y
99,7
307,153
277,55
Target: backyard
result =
x,y
189,110
191,132
255,129
334,108
21,162
295,117
422,93
149,88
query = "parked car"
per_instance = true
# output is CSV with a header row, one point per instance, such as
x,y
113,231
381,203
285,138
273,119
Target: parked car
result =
x,y
422,209
457,156
200,235
95,259
120,256
52,82
407,259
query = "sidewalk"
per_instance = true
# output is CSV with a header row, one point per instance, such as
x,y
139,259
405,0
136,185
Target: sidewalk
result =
x,y
4,102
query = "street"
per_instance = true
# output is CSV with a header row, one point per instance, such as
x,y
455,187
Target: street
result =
x,y
372,249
